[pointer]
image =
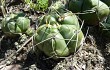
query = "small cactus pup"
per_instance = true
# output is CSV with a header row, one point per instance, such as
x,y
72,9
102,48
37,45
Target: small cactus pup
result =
x,y
15,24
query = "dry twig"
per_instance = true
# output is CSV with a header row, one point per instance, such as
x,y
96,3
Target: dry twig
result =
x,y
2,64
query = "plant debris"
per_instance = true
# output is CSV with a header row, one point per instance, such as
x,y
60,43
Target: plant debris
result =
x,y
17,53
